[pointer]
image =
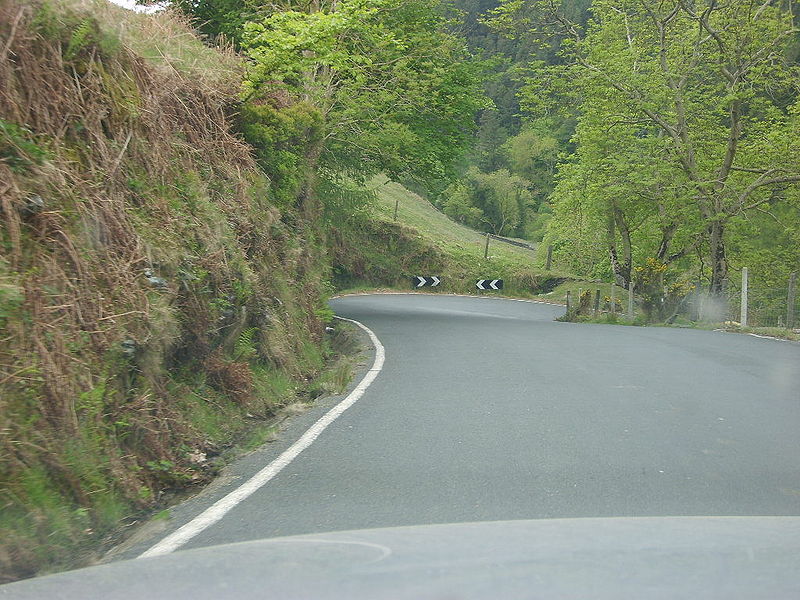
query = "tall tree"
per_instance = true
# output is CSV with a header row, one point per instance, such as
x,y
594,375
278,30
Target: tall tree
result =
x,y
706,81
398,91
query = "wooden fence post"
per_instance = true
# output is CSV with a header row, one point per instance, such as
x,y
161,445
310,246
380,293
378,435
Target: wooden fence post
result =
x,y
790,301
696,301
726,300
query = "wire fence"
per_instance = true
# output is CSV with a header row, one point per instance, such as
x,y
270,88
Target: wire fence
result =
x,y
746,302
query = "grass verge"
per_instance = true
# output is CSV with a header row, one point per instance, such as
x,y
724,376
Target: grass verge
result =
x,y
381,252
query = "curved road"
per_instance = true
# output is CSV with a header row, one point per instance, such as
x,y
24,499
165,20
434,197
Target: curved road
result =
x,y
487,409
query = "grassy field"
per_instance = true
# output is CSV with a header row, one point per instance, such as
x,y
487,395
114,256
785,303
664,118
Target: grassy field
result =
x,y
454,238
445,248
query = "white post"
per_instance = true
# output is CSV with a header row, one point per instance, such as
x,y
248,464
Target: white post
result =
x,y
743,318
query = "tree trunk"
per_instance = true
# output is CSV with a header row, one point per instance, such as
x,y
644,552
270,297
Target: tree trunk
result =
x,y
719,264
622,270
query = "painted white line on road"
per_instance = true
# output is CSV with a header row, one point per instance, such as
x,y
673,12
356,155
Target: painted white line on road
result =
x,y
218,510
769,337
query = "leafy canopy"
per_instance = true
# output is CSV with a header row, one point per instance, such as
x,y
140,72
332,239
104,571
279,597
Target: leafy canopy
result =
x,y
398,92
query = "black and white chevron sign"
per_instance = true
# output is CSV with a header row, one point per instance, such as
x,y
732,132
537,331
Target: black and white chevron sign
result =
x,y
490,284
423,281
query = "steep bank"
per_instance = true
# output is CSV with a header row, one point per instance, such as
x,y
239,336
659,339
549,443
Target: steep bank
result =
x,y
379,251
157,292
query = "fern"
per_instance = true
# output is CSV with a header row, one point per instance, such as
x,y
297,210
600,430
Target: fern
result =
x,y
80,38
245,348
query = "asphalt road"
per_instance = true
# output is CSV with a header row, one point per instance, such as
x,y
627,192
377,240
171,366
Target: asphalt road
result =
x,y
488,409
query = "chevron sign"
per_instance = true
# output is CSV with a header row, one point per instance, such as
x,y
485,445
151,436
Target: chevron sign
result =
x,y
490,284
423,281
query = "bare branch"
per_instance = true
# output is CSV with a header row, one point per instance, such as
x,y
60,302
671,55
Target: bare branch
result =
x,y
748,170
759,183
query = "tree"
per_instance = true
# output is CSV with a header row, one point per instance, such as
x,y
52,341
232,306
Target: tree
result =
x,y
706,83
458,204
490,137
214,18
535,152
398,92
497,202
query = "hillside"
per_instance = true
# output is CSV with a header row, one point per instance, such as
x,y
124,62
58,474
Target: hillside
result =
x,y
417,212
377,251
157,296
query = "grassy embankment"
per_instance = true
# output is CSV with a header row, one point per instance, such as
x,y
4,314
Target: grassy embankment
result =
x,y
424,241
381,253
157,303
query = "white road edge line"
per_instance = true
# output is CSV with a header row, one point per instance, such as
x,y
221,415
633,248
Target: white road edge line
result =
x,y
218,510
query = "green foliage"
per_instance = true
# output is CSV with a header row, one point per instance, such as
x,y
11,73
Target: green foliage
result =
x,y
684,134
534,153
498,202
529,148
245,348
397,91
214,18
81,37
459,203
11,295
18,148
284,138
491,136
344,200
75,32
11,298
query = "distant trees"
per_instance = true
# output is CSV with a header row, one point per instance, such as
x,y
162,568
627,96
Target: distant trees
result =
x,y
509,143
495,202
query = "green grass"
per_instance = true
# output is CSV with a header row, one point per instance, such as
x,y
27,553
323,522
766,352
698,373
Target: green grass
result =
x,y
451,237
165,39
774,332
423,241
778,332
258,437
